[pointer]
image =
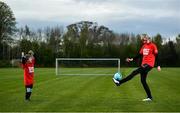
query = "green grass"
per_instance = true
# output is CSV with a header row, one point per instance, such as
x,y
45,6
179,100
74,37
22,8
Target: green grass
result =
x,y
89,93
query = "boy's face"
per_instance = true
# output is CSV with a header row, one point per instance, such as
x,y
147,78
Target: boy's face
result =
x,y
29,60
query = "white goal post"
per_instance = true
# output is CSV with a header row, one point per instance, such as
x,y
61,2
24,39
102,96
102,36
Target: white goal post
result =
x,y
59,67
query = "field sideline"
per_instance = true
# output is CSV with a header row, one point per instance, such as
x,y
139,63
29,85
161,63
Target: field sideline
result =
x,y
89,93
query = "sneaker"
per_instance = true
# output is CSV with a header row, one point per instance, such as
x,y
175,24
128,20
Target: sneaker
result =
x,y
116,82
27,100
147,100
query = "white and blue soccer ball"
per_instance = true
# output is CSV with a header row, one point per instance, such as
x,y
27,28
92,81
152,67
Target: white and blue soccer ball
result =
x,y
118,76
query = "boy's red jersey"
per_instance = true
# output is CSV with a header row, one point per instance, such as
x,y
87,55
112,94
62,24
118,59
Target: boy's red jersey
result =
x,y
29,72
149,52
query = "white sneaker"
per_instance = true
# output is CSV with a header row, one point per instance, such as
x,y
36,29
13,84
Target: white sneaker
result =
x,y
147,100
116,81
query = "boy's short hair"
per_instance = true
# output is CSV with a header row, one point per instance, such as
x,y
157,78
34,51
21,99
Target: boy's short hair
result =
x,y
31,52
145,36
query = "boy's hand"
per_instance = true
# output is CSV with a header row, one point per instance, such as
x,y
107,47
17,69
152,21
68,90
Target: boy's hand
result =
x,y
22,54
159,68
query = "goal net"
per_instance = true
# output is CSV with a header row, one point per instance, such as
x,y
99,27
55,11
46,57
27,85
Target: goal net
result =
x,y
87,66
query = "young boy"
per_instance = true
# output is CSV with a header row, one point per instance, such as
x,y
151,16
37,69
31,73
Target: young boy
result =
x,y
28,67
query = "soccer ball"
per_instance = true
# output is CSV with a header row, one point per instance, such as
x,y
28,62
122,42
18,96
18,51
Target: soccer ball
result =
x,y
118,76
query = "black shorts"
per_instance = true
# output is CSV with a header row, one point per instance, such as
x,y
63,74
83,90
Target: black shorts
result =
x,y
29,86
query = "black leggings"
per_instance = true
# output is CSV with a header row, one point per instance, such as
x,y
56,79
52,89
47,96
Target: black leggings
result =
x,y
143,70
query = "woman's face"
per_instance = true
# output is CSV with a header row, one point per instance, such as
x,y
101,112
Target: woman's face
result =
x,y
145,40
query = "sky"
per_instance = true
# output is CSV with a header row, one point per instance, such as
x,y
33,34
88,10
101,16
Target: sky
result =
x,y
121,16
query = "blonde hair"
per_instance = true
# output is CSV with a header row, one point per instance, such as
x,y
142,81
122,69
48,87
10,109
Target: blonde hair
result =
x,y
145,36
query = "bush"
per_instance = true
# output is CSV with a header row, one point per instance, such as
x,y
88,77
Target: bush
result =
x,y
5,63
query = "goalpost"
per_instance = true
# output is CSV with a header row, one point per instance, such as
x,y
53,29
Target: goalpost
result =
x,y
88,64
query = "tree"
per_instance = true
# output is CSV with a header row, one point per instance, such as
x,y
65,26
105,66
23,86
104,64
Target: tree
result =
x,y
83,41
85,37
7,28
54,39
7,21
70,42
138,42
174,57
178,47
178,39
158,41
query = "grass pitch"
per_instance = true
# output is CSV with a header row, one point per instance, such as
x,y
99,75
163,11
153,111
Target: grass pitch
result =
x,y
89,93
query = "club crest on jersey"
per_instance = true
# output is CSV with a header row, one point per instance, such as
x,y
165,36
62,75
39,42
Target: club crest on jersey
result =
x,y
146,51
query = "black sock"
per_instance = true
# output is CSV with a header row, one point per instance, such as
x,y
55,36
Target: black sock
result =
x,y
28,94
